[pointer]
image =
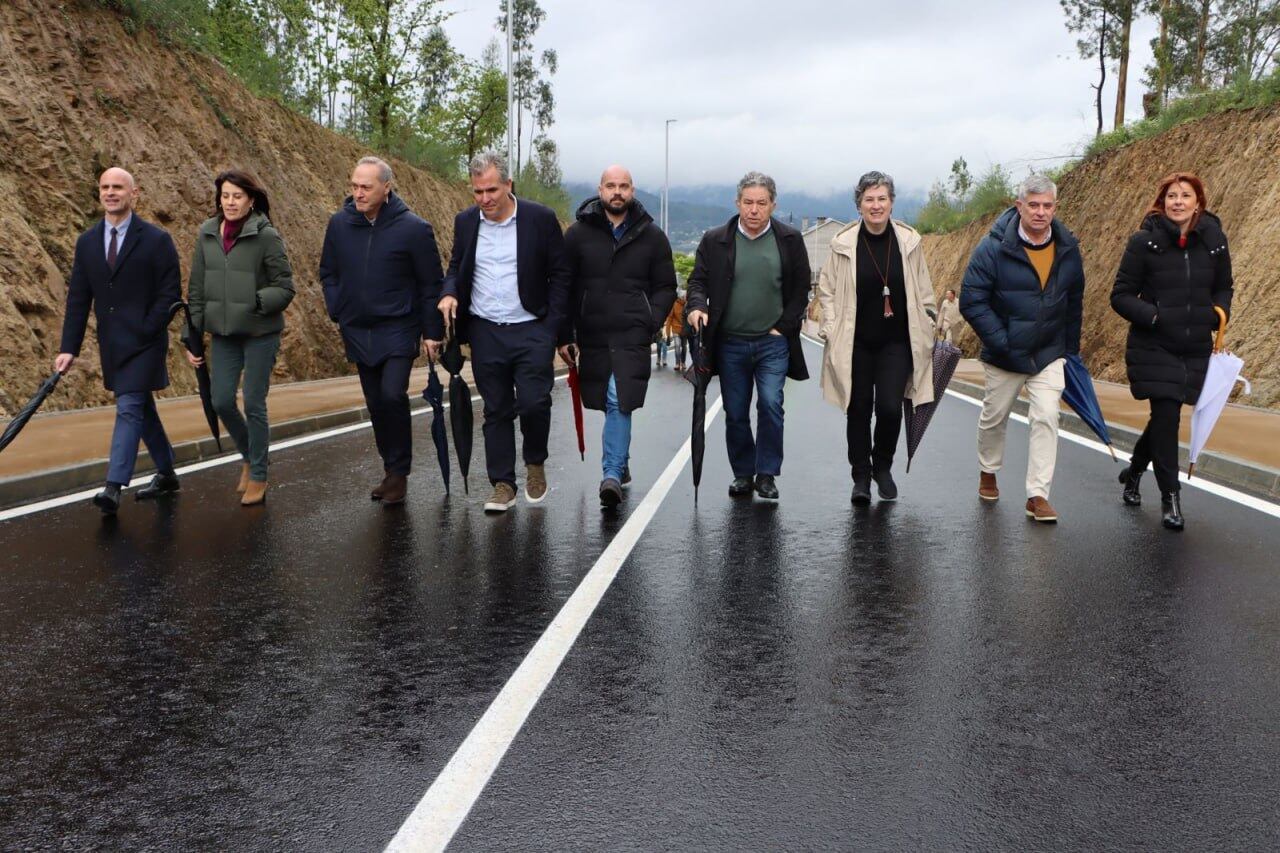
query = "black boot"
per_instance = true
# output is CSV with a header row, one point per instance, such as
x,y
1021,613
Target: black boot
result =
x,y
1171,507
861,490
1130,479
885,485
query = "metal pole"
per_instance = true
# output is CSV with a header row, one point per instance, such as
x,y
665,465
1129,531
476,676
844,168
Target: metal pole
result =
x,y
666,181
511,122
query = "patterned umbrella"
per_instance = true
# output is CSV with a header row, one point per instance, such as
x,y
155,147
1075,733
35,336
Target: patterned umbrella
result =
x,y
945,358
434,394
24,414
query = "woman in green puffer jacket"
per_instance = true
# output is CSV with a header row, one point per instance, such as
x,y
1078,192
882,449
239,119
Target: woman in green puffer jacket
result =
x,y
239,287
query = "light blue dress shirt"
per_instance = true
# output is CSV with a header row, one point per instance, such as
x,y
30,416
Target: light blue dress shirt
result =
x,y
495,289
120,231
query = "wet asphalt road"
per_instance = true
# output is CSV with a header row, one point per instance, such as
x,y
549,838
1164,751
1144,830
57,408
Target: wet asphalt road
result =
x,y
933,674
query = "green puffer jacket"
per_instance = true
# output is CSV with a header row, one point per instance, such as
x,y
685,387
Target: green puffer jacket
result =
x,y
244,291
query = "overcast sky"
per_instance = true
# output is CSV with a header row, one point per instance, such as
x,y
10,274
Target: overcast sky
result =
x,y
815,93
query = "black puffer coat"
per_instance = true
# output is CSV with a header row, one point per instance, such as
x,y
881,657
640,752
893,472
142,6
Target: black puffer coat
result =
x,y
621,294
1168,294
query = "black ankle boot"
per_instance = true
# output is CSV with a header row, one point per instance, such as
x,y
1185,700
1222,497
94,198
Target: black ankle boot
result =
x,y
1129,479
1171,506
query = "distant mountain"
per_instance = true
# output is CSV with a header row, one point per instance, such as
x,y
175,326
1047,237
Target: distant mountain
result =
x,y
695,209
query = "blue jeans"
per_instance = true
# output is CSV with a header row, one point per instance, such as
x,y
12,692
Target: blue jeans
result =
x,y
616,440
663,344
137,420
762,362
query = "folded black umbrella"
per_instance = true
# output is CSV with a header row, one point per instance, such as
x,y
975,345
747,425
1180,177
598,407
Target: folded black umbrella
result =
x,y
700,375
461,418
916,418
434,394
24,414
194,342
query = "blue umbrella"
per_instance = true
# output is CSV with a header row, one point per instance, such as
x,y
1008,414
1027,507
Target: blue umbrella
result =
x,y
1080,396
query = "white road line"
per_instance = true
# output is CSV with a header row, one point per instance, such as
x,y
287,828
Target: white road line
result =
x,y
76,497
447,802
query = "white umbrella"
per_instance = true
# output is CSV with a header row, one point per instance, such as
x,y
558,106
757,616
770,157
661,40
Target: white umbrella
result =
x,y
1219,381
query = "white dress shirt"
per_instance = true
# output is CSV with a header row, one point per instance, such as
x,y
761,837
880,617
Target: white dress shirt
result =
x,y
495,289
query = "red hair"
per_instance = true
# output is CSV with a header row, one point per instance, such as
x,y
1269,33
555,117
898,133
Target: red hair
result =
x,y
1192,180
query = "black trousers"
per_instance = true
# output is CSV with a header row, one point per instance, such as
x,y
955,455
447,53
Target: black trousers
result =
x,y
514,371
386,393
880,376
1158,444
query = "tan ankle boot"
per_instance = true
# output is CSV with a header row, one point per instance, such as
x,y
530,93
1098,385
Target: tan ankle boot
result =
x,y
255,493
244,479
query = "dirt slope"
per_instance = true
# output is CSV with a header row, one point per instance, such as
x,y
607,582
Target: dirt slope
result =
x,y
79,93
1102,201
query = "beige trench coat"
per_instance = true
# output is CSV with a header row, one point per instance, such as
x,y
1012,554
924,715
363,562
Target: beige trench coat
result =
x,y
837,295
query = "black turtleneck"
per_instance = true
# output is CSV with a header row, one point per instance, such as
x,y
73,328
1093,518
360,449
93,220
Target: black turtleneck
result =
x,y
872,328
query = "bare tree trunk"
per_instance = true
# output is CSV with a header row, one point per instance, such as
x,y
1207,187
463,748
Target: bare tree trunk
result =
x,y
1202,44
1162,55
1102,68
1122,77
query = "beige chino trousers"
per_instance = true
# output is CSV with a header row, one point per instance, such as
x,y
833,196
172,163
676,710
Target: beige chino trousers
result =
x,y
1045,390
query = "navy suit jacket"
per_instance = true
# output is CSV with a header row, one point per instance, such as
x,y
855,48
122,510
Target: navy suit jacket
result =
x,y
132,303
542,266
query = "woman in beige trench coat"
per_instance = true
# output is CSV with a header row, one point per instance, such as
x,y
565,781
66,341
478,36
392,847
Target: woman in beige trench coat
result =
x,y
877,322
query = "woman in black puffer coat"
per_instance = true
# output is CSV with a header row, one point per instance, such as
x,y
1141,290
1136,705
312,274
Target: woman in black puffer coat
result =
x,y
1174,287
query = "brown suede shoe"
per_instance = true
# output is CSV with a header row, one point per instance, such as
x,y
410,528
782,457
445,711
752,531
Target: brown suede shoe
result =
x,y
987,487
244,478
396,486
255,493
1040,510
379,490
535,483
502,499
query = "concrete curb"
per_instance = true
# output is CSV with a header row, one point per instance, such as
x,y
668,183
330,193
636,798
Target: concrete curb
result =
x,y
1251,477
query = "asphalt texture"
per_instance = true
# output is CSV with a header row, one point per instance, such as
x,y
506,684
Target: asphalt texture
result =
x,y
937,673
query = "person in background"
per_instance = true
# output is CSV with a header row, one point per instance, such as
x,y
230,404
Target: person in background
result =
x,y
877,305
674,328
126,270
1174,286
948,316
239,286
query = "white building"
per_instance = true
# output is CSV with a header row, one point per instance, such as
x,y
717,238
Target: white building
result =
x,y
817,242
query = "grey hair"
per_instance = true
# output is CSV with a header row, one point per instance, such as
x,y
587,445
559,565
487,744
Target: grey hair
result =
x,y
758,179
384,169
1036,184
486,160
871,180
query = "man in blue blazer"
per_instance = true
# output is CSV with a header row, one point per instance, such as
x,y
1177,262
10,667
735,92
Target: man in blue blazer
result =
x,y
127,271
507,294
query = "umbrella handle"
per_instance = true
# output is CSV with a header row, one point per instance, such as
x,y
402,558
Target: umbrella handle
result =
x,y
1222,328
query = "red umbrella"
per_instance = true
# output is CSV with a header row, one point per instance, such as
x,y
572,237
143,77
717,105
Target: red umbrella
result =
x,y
575,393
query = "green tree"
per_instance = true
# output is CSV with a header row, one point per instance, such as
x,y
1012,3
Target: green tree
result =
x,y
531,91
961,180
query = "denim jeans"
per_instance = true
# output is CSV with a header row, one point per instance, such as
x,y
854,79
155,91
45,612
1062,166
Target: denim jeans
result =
x,y
761,363
616,440
663,346
253,358
137,419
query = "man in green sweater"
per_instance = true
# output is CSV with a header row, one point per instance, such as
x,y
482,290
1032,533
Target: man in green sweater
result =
x,y
749,289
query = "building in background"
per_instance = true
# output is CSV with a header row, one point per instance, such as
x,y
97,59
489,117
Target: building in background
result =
x,y
817,241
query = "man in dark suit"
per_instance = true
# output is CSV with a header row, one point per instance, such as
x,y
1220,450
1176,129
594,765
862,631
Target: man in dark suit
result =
x,y
127,271
506,293
749,289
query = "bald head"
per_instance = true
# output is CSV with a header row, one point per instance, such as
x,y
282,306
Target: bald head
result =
x,y
118,193
617,193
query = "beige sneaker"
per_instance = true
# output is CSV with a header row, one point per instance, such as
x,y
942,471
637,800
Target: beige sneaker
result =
x,y
535,483
502,499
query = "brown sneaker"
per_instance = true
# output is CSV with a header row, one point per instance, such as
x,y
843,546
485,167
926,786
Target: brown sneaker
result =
x,y
535,483
987,487
255,493
377,491
395,487
244,479
1040,510
502,499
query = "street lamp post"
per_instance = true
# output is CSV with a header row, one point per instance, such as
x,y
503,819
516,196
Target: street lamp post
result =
x,y
511,124
666,181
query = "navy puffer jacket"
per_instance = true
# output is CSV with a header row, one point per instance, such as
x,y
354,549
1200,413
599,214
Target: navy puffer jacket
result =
x,y
1023,327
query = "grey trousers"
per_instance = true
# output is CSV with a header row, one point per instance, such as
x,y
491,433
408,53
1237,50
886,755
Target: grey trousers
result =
x,y
254,358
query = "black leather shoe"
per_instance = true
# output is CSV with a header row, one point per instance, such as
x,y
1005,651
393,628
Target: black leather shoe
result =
x,y
1171,508
626,477
108,500
766,488
161,484
1131,496
861,490
741,487
885,486
610,493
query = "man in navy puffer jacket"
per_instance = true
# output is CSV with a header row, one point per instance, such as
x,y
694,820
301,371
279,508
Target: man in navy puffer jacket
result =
x,y
1023,294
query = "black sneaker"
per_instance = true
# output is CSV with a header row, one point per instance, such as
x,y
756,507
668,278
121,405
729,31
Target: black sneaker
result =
x,y
741,487
610,493
108,500
161,484
885,486
766,488
861,491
